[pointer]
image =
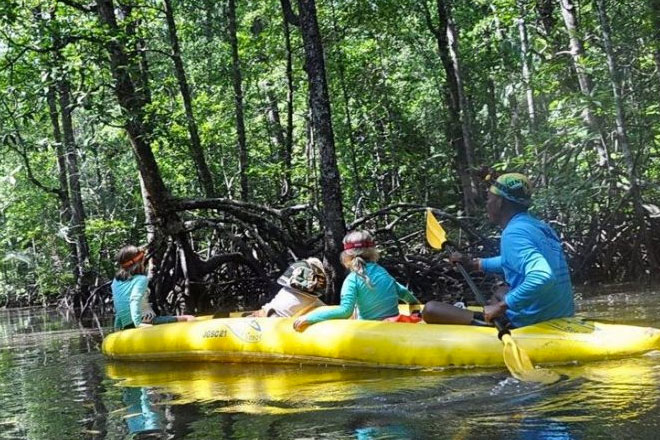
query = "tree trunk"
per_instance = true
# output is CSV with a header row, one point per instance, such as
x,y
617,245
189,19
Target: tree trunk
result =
x,y
381,171
72,192
272,113
277,136
347,108
615,80
491,105
153,232
311,177
386,130
526,72
139,133
466,118
142,80
621,131
515,126
654,6
196,150
334,226
53,113
545,10
456,129
238,97
141,47
525,57
73,174
208,37
584,81
289,99
65,204
493,139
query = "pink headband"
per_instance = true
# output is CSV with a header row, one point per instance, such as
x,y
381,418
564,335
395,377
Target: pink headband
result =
x,y
358,245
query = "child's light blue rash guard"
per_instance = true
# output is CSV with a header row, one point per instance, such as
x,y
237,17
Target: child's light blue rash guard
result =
x,y
127,297
375,302
533,264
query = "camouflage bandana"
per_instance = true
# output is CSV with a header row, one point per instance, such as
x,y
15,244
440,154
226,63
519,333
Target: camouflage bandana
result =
x,y
514,187
302,277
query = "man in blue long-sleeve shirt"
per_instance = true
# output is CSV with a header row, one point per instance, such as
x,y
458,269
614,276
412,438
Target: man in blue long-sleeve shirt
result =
x,y
531,260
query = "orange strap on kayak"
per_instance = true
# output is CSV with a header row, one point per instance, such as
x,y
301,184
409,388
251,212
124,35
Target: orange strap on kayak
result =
x,y
412,319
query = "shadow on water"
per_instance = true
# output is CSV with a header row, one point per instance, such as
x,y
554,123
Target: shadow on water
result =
x,y
55,384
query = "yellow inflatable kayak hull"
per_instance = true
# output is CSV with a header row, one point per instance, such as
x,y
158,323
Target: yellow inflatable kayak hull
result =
x,y
375,343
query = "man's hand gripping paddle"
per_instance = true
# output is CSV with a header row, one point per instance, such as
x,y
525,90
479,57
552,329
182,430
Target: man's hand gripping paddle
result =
x,y
515,358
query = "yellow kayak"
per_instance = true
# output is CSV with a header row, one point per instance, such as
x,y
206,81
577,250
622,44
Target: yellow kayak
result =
x,y
375,343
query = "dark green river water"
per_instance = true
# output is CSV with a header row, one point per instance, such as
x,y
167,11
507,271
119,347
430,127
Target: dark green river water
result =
x,y
55,384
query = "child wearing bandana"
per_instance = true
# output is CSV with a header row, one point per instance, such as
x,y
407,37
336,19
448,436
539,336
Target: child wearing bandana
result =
x,y
130,293
302,284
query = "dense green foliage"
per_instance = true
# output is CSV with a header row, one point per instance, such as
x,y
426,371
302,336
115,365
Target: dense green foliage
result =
x,y
388,94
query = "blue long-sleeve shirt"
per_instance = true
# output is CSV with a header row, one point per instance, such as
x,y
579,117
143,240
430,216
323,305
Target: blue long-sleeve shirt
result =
x,y
127,297
533,264
375,302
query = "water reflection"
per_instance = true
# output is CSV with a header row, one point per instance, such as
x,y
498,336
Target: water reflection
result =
x,y
595,400
386,431
274,389
590,400
54,384
50,386
141,418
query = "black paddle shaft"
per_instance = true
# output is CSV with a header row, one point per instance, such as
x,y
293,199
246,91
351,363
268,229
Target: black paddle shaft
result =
x,y
503,330
475,289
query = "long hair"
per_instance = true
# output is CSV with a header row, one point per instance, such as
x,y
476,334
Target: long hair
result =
x,y
359,248
131,262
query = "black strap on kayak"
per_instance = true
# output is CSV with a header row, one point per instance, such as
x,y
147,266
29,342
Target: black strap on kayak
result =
x,y
501,331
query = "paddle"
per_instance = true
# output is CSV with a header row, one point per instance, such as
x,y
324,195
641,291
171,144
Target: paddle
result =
x,y
515,358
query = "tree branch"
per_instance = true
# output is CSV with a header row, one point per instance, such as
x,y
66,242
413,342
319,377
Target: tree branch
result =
x,y
30,174
420,208
290,16
429,21
220,203
90,7
10,62
18,140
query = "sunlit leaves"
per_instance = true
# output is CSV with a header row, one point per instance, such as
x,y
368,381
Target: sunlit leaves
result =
x,y
387,88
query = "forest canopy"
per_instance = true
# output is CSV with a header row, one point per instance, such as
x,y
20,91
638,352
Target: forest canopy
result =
x,y
235,136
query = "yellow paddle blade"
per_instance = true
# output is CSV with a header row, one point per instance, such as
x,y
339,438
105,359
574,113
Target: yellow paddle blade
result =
x,y
521,367
435,235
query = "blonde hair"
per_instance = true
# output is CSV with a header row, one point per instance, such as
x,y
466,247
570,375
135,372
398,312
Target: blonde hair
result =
x,y
126,254
355,258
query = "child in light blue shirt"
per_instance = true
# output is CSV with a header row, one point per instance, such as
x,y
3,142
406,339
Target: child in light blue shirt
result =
x,y
130,293
369,288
